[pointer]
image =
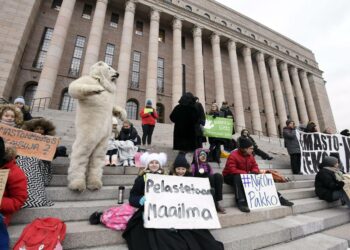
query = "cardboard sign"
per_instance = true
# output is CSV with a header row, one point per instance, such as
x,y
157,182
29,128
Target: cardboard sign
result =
x,y
260,191
179,202
315,146
29,143
218,127
3,179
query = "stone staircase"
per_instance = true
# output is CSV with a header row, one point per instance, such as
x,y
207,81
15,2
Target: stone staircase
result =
x,y
311,223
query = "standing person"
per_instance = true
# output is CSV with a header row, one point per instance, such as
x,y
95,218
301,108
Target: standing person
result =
x,y
329,182
229,144
311,127
200,123
185,117
215,143
201,168
292,144
21,104
257,150
242,161
149,118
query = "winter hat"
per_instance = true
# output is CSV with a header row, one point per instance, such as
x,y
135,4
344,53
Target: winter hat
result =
x,y
329,161
345,132
146,158
95,218
245,143
288,122
20,99
149,102
180,161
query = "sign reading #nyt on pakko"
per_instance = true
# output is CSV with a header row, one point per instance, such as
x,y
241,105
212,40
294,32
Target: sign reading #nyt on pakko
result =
x,y
260,191
179,202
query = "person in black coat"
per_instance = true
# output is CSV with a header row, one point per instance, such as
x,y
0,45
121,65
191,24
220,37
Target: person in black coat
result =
x,y
186,118
229,144
200,138
129,133
257,151
329,182
20,103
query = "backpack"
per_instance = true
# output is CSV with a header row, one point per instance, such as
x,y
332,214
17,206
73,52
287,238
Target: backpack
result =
x,y
277,176
117,218
42,234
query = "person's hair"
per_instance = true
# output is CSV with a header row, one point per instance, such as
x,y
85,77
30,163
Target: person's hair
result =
x,y
15,110
49,128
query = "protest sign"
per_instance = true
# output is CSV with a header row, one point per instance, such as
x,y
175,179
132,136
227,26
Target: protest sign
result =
x,y
147,110
218,127
3,178
315,146
179,202
29,143
260,191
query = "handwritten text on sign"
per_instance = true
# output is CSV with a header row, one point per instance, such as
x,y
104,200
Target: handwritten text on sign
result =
x,y
3,179
29,143
260,191
179,202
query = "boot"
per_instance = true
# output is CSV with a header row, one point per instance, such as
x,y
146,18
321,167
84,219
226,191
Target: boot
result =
x,y
114,160
243,206
125,163
285,202
107,163
219,208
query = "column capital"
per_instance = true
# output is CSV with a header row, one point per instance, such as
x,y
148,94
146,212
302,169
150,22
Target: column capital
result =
x,y
260,56
155,15
130,6
197,31
293,69
272,61
283,66
231,44
302,73
215,38
177,24
246,51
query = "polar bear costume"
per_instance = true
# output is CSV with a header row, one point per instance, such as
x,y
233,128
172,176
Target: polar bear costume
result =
x,y
93,123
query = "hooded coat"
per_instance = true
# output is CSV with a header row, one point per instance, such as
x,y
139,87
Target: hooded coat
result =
x,y
47,125
197,165
326,183
129,135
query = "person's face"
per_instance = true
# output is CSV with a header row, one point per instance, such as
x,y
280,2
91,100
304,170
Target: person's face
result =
x,y
245,133
214,108
248,151
39,130
202,157
126,125
19,105
180,171
8,116
291,125
153,166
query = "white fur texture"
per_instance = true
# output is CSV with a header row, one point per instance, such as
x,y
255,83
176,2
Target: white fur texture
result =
x,y
93,122
146,158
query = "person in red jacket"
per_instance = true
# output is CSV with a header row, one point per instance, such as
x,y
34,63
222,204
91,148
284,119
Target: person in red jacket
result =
x,y
149,118
15,193
242,161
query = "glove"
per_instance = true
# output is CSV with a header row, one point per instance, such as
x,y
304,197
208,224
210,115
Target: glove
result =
x,y
341,184
142,201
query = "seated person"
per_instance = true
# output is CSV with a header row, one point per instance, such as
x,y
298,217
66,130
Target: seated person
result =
x,y
180,166
329,182
111,157
126,142
242,161
245,134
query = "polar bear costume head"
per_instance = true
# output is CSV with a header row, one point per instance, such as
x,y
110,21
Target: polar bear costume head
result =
x,y
105,75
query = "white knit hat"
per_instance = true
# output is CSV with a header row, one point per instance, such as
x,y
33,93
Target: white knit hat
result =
x,y
146,158
20,99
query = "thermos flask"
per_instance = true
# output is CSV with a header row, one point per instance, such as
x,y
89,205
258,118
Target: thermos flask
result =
x,y
121,194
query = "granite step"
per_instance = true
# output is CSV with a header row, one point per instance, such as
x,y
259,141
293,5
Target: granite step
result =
x,y
341,232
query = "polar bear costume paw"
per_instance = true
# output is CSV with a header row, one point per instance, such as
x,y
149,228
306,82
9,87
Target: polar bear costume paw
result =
x,y
94,183
77,185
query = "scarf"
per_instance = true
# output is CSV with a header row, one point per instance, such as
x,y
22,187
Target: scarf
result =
x,y
12,124
338,174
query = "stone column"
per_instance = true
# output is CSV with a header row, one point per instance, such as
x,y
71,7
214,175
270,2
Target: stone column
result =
x,y
49,72
125,54
299,95
151,82
236,85
266,93
310,105
219,81
198,65
289,93
94,43
253,96
281,107
177,62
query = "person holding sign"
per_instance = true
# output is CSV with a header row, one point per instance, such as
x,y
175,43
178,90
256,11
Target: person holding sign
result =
x,y
242,161
215,143
180,166
10,115
329,182
149,118
292,144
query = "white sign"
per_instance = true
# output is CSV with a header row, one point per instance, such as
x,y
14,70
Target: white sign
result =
x,y
260,191
179,202
315,146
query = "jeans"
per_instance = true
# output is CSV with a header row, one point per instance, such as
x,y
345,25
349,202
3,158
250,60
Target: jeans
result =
x,y
341,195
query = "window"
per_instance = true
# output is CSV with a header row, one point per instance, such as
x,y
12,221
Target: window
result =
x,y
29,93
67,102
239,30
187,7
114,20
253,36
135,73
56,4
224,23
132,109
44,47
87,11
161,36
160,111
77,56
109,54
183,78
183,42
207,15
139,28
160,75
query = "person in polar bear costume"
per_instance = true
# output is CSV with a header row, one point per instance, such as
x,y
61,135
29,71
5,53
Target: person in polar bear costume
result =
x,y
93,123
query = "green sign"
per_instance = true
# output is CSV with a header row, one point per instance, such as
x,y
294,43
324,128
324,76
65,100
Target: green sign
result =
x,y
218,127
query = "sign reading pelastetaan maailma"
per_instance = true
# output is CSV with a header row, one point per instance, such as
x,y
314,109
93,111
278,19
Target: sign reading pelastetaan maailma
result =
x,y
179,202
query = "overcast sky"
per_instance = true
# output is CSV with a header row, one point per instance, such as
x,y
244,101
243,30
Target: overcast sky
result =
x,y
320,25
